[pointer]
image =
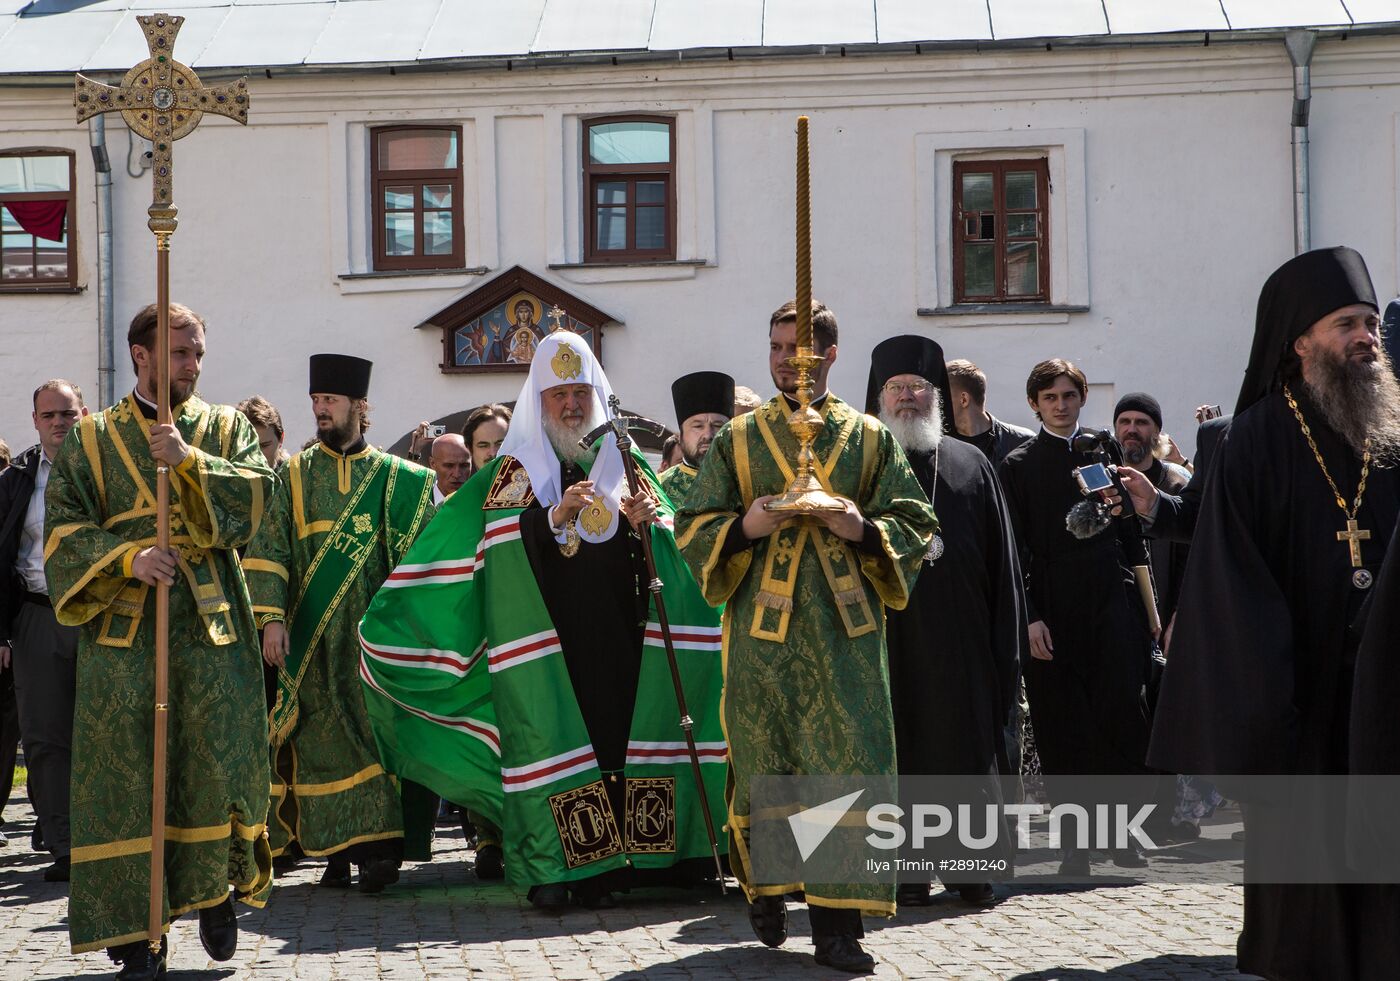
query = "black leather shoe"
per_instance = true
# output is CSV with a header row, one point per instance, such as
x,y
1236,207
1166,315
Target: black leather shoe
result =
x,y
490,862
913,894
768,917
218,930
59,871
137,961
1075,863
981,894
1129,858
554,896
376,875
844,953
337,874
594,898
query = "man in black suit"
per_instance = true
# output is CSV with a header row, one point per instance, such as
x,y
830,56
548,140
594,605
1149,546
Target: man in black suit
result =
x,y
41,653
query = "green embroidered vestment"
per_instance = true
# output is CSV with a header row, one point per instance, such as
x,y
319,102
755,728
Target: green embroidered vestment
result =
x,y
336,527
101,509
806,682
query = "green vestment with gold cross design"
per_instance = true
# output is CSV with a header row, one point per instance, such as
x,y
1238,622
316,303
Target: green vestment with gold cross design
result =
x,y
336,528
101,511
806,682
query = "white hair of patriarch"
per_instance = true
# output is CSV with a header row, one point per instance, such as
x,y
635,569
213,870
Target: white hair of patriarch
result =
x,y
528,442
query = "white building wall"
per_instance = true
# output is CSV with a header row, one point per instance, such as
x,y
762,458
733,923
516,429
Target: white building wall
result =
x,y
1183,187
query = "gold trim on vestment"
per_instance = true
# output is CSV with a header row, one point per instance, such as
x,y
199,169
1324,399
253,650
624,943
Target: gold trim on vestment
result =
x,y
87,434
338,786
185,836
348,843
266,565
141,511
62,603
57,535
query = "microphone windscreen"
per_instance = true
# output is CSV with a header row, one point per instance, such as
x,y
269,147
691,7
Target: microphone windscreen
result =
x,y
1087,519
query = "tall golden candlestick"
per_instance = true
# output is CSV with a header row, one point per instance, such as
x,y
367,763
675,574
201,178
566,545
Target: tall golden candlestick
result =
x,y
805,493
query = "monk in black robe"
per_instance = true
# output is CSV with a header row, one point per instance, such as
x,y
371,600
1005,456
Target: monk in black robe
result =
x,y
1090,645
1260,678
955,650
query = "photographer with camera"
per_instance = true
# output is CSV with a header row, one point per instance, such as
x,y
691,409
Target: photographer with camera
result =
x,y
1091,645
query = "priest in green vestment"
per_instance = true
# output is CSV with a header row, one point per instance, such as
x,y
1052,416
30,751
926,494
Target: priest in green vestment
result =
x,y
102,570
806,687
704,402
343,516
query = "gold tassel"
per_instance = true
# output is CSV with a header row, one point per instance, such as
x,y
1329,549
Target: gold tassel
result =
x,y
773,601
850,597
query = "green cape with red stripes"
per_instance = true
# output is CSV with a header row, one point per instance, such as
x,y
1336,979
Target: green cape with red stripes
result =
x,y
468,694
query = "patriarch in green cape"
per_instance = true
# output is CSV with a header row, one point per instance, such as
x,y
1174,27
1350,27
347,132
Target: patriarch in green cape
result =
x,y
513,661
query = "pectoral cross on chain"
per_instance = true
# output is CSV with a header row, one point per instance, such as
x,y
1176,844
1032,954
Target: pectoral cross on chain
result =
x,y
162,101
1354,536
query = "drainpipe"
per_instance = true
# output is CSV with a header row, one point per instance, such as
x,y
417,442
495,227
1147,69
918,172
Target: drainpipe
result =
x,y
1300,46
106,371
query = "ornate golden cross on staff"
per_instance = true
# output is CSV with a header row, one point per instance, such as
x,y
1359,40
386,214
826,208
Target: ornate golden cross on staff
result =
x,y
162,101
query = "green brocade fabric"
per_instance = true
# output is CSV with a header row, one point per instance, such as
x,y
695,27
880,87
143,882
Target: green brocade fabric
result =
x,y
329,789
470,694
100,513
806,682
677,481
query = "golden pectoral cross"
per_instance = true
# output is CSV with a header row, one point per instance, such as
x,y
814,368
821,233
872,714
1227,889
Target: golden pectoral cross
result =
x,y
162,101
1354,536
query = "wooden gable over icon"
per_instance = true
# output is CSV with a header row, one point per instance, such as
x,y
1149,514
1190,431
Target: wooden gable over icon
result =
x,y
497,326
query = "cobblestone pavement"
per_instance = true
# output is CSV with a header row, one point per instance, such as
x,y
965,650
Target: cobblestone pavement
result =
x,y
439,922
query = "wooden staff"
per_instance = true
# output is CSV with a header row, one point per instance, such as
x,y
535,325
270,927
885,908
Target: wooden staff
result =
x,y
161,101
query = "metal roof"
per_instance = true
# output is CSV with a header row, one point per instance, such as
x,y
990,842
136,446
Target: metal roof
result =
x,y
39,37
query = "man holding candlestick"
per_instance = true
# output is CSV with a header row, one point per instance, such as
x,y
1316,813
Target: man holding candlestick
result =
x,y
806,683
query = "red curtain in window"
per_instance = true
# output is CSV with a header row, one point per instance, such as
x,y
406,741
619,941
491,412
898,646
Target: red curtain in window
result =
x,y
42,219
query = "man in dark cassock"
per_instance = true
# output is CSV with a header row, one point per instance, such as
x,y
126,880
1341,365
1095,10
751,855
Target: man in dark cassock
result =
x,y
704,403
1172,517
1294,525
967,386
955,651
1137,425
1090,645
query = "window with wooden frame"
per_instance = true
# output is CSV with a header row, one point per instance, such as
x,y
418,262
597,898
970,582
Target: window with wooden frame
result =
x,y
416,182
630,188
37,249
1000,240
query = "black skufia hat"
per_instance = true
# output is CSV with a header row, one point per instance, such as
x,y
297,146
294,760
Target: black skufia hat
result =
x,y
703,391
1297,295
340,374
909,354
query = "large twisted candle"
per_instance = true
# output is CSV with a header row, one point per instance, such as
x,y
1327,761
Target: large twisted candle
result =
x,y
804,243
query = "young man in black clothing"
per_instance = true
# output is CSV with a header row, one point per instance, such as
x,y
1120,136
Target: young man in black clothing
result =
x,y
1090,645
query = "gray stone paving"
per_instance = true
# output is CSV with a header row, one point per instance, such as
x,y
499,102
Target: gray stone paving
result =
x,y
439,922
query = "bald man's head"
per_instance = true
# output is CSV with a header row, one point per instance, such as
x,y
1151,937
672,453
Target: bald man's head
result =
x,y
451,461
